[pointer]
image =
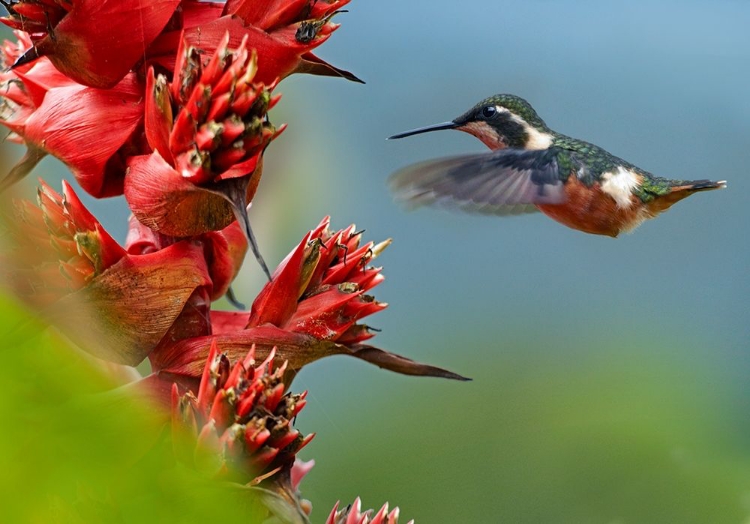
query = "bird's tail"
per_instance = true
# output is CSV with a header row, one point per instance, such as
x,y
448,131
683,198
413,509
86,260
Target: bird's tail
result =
x,y
698,185
683,189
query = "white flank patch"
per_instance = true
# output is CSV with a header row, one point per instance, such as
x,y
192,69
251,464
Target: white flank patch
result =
x,y
620,185
537,139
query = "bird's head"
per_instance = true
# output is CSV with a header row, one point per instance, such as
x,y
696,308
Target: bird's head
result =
x,y
499,121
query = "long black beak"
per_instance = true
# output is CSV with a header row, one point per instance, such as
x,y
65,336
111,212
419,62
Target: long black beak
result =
x,y
427,129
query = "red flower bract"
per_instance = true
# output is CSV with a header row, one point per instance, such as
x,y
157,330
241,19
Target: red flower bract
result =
x,y
52,114
60,246
283,33
94,42
224,251
117,305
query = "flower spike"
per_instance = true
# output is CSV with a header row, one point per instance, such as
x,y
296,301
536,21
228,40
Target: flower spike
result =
x,y
208,129
243,418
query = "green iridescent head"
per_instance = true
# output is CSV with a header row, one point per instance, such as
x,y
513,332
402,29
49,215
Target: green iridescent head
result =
x,y
490,110
499,121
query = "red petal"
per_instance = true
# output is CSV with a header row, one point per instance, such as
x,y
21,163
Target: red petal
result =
x,y
323,315
227,249
207,389
263,458
108,249
99,42
255,437
228,321
142,240
158,114
276,59
164,201
129,308
356,334
277,301
69,126
267,15
221,410
285,439
299,470
40,78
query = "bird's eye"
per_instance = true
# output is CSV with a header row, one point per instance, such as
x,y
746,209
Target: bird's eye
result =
x,y
489,111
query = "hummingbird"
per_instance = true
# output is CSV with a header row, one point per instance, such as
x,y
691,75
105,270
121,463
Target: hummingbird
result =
x,y
533,168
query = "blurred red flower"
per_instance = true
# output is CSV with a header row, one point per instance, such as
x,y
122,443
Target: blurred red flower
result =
x,y
352,514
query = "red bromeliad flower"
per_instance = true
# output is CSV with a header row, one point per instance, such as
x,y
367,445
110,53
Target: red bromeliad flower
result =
x,y
98,73
311,309
208,129
285,32
353,514
94,42
239,425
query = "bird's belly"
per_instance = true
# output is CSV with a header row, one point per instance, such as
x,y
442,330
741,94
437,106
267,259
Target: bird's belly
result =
x,y
591,210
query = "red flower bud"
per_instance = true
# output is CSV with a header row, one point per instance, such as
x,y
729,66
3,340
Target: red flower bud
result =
x,y
60,232
117,305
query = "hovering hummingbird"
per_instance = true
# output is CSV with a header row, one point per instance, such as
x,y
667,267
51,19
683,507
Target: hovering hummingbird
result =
x,y
534,168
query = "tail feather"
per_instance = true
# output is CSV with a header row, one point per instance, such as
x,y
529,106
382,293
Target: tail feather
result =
x,y
699,185
680,190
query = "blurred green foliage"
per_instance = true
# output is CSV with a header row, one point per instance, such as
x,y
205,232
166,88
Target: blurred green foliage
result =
x,y
73,451
617,438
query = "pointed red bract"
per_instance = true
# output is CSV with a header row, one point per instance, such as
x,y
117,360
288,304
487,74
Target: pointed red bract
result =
x,y
319,289
284,33
130,303
59,232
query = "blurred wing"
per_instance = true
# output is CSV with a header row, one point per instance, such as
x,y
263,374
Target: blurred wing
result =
x,y
504,182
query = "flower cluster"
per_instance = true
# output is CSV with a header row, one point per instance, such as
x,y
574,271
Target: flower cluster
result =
x,y
207,128
242,419
62,247
166,102
352,514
